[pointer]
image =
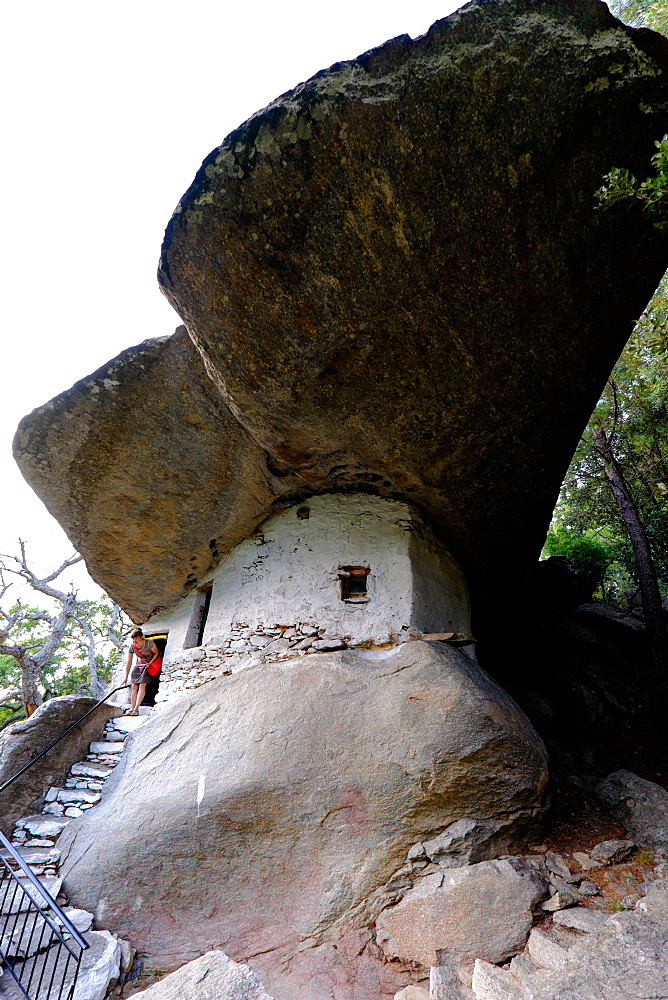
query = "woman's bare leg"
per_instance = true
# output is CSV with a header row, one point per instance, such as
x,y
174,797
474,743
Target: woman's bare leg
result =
x,y
133,695
138,692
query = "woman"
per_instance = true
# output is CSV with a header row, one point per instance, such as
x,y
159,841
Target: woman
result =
x,y
147,653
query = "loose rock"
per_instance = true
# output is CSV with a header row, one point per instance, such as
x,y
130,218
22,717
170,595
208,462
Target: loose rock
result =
x,y
480,911
641,805
612,852
214,976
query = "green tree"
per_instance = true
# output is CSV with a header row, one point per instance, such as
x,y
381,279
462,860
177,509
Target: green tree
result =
x,y
642,13
616,489
619,184
52,652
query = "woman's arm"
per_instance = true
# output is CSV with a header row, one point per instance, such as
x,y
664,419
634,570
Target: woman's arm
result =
x,y
156,653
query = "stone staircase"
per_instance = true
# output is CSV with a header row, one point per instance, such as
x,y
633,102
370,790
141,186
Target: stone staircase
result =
x,y
106,964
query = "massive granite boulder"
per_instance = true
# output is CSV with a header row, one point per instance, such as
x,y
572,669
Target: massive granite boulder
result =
x,y
146,468
270,813
399,282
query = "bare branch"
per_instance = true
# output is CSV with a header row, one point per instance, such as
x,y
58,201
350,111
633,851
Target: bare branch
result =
x,y
12,696
96,685
41,586
13,718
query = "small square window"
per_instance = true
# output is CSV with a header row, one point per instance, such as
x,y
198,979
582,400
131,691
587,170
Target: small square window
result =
x,y
354,584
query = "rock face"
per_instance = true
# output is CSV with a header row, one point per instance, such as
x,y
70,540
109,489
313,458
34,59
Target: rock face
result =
x,y
588,955
266,812
144,455
24,740
214,976
641,805
399,283
423,218
479,911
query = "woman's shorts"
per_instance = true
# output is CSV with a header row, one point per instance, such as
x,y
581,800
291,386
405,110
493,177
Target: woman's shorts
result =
x,y
139,675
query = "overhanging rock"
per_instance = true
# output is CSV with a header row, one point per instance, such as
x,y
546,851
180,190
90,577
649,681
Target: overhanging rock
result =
x,y
400,284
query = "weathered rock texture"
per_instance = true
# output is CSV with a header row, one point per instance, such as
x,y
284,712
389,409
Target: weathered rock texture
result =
x,y
601,957
479,911
144,456
214,976
266,813
24,740
641,805
399,283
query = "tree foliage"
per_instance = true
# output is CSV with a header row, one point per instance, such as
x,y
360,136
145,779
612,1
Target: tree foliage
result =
x,y
67,648
620,185
633,412
642,13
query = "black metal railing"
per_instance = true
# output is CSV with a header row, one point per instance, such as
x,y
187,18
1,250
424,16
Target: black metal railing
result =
x,y
40,947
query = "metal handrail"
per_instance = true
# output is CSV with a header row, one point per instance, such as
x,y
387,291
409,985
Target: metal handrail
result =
x,y
50,962
18,774
39,945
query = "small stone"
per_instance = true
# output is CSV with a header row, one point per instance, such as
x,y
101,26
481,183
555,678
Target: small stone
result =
x,y
416,852
73,811
612,852
412,993
629,902
52,794
39,842
585,861
661,870
82,919
127,954
327,645
53,809
582,920
556,864
561,900
588,889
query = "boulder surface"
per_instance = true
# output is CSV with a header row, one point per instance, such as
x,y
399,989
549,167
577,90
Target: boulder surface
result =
x,y
399,283
265,813
641,805
214,976
397,274
144,456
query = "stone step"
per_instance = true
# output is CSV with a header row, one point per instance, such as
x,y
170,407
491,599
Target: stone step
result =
x,y
106,747
34,855
127,723
100,966
90,770
26,935
43,826
13,900
75,795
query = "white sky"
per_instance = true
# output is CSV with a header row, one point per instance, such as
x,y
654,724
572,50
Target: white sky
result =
x,y
109,110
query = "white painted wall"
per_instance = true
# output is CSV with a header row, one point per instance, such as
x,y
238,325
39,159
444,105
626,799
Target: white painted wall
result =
x,y
288,574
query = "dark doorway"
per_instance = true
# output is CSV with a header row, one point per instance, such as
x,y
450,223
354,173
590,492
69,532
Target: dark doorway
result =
x,y
195,633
